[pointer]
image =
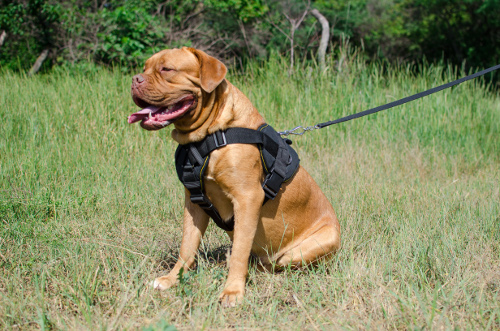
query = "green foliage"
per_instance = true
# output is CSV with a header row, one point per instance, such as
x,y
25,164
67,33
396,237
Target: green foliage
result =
x,y
127,32
458,30
244,10
32,26
131,35
12,18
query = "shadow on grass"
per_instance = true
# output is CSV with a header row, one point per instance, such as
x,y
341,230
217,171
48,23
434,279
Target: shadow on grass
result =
x,y
217,256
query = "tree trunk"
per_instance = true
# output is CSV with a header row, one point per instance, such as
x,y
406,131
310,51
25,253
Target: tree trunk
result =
x,y
3,35
291,50
325,36
38,62
295,23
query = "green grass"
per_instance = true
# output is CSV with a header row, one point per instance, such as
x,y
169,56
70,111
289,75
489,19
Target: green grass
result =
x,y
91,209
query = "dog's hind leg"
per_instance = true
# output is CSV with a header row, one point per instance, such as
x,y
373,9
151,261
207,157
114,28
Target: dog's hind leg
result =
x,y
322,244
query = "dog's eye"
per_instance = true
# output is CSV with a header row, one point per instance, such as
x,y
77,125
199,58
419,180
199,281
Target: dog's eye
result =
x,y
165,69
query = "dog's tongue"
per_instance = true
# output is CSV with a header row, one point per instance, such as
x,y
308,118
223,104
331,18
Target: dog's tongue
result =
x,y
136,117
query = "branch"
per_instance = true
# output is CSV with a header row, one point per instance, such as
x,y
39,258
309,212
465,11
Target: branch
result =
x,y
38,62
277,27
242,27
325,36
191,16
303,16
295,23
2,37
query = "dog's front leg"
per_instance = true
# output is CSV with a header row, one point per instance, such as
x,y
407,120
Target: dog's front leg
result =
x,y
195,224
246,214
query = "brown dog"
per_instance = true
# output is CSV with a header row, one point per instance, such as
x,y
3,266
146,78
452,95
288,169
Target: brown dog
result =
x,y
188,88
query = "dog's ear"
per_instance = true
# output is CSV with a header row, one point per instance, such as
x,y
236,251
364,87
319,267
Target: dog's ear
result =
x,y
212,71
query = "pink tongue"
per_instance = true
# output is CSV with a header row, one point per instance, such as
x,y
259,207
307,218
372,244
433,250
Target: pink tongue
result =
x,y
136,117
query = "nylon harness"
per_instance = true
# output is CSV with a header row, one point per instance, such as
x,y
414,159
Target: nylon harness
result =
x,y
279,161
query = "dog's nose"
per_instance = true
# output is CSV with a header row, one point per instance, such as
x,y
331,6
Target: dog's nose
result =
x,y
137,79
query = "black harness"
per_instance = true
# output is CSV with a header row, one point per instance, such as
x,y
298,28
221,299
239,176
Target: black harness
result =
x,y
279,161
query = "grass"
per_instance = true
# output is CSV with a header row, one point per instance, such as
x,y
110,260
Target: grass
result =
x,y
91,210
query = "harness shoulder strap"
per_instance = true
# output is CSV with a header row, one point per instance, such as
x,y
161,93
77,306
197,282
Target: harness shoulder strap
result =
x,y
191,167
220,139
192,161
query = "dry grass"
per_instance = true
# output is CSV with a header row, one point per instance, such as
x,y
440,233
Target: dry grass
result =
x,y
90,210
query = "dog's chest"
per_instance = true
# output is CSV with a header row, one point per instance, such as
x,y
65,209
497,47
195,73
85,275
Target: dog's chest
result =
x,y
218,197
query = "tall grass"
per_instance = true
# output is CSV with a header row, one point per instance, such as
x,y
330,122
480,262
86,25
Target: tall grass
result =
x,y
91,210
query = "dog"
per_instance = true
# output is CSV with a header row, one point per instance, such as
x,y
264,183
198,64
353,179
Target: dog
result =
x,y
188,88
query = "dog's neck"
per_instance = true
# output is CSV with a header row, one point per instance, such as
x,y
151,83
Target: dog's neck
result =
x,y
223,108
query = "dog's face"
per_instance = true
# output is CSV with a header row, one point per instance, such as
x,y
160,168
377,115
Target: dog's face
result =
x,y
172,88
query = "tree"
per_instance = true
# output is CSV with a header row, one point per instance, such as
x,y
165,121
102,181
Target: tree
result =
x,y
3,36
325,37
457,30
106,32
35,22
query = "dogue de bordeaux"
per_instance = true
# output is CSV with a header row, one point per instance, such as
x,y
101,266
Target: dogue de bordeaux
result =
x,y
187,87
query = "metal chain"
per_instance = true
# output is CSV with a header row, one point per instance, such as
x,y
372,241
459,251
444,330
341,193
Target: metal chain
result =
x,y
299,133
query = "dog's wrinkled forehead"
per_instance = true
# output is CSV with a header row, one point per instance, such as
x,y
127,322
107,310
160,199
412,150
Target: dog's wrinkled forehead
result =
x,y
174,59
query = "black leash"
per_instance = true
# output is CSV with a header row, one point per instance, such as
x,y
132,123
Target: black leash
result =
x,y
389,105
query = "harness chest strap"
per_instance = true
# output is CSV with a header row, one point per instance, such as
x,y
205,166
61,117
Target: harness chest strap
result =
x,y
279,161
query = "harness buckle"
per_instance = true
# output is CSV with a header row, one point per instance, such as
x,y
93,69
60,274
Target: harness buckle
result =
x,y
202,201
268,184
224,141
269,192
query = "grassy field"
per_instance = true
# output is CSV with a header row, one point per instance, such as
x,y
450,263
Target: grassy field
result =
x,y
91,209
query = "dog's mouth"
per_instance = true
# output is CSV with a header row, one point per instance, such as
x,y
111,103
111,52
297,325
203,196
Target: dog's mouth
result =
x,y
157,117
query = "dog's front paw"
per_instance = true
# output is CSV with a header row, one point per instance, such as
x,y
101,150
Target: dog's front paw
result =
x,y
163,283
231,297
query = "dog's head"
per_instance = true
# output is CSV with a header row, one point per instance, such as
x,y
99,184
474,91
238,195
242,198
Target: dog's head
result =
x,y
173,87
